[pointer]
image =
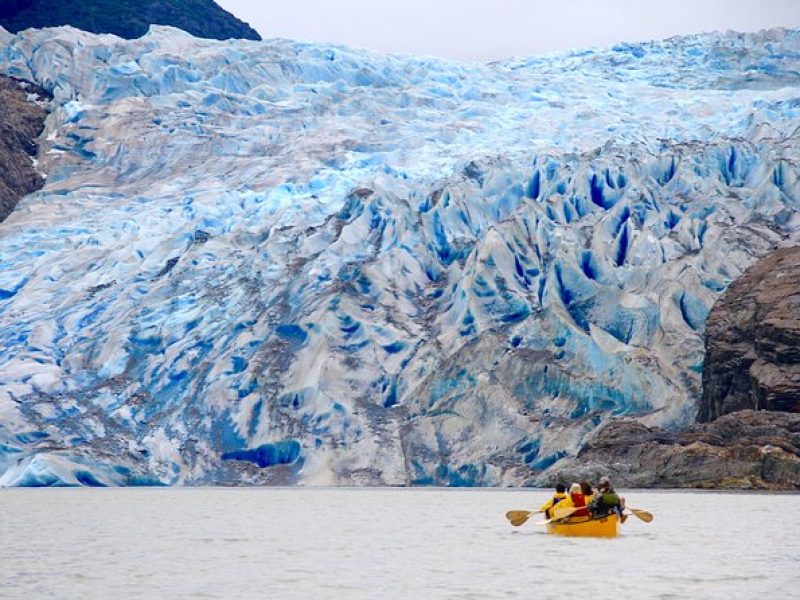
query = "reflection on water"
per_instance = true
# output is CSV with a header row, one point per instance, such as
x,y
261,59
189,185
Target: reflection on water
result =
x,y
355,543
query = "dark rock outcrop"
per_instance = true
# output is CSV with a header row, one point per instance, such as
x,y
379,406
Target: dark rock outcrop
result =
x,y
126,18
741,450
748,434
753,340
21,122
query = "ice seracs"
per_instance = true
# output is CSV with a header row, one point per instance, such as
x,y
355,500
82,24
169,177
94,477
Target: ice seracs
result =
x,y
279,262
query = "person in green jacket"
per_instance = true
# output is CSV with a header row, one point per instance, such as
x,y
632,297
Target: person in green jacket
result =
x,y
561,494
607,501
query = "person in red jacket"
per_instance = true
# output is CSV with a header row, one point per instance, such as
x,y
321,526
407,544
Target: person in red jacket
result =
x,y
578,500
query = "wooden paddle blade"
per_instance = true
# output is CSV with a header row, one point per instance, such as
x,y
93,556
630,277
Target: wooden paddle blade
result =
x,y
518,517
563,513
558,514
514,515
641,514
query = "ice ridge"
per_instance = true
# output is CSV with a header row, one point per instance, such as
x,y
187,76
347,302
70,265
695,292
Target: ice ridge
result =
x,y
280,262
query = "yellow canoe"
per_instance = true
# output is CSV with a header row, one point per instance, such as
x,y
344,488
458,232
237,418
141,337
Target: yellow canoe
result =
x,y
586,526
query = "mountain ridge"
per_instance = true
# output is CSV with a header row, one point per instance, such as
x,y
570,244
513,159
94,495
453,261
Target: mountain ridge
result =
x,y
127,19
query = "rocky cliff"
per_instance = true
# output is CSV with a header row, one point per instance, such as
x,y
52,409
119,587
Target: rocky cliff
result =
x,y
126,18
21,121
741,450
753,340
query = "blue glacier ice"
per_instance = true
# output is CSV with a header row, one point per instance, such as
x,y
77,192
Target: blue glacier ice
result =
x,y
286,263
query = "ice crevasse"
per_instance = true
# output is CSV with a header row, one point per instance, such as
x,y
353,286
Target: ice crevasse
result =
x,y
286,263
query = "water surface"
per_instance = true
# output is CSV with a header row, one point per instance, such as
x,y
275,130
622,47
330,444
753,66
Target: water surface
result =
x,y
397,543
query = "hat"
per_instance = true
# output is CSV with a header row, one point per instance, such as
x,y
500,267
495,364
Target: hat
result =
x,y
604,482
575,488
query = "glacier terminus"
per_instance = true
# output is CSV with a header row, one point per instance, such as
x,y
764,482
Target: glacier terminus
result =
x,y
288,263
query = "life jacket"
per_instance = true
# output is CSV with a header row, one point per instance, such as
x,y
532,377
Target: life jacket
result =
x,y
579,502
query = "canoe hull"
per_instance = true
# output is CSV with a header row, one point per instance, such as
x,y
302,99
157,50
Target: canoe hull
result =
x,y
586,527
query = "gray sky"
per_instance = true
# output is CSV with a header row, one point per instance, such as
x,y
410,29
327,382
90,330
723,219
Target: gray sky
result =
x,y
492,29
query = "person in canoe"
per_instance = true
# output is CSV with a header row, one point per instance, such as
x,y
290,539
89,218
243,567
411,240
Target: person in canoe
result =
x,y
577,499
559,496
607,501
587,490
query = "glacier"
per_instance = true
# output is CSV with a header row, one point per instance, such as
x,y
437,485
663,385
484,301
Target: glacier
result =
x,y
290,263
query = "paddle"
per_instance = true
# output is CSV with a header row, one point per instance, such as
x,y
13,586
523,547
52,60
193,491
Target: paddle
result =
x,y
518,517
559,513
641,514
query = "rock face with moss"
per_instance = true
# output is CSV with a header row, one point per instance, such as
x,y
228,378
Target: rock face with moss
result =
x,y
126,18
753,340
21,121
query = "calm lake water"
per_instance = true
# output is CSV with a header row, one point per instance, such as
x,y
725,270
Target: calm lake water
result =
x,y
377,543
